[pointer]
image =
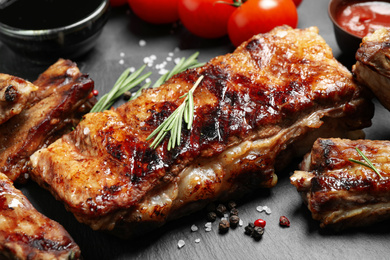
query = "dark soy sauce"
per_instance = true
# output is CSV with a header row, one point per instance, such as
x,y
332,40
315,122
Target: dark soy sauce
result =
x,y
46,14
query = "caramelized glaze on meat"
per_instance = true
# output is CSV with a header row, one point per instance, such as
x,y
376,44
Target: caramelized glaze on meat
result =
x,y
15,95
373,64
27,234
276,90
341,193
59,103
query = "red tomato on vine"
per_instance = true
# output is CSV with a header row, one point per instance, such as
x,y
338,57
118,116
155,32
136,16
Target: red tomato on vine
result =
x,y
155,11
260,16
206,18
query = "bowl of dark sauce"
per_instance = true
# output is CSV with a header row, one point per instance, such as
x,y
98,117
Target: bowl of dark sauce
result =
x,y
45,30
354,19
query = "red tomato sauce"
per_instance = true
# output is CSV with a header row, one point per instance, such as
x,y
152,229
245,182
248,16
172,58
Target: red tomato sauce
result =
x,y
362,17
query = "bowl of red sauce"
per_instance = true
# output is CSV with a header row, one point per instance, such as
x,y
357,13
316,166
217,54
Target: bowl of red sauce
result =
x,y
354,19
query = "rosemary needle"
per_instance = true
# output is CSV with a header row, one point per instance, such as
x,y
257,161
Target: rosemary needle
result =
x,y
368,163
173,123
124,83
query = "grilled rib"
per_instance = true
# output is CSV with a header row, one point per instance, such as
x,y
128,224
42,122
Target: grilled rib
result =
x,y
340,193
254,109
59,103
27,234
373,64
15,95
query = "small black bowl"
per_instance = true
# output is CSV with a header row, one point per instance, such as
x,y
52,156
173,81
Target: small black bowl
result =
x,y
348,42
68,41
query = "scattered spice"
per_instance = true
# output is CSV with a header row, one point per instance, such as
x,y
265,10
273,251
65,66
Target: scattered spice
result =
x,y
284,222
264,208
257,233
234,220
208,226
180,244
194,228
233,212
249,229
231,205
260,223
211,216
127,95
223,226
220,210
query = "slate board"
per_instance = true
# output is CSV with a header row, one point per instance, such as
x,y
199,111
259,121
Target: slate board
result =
x,y
119,43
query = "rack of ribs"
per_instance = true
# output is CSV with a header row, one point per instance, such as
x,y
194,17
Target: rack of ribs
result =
x,y
373,64
254,110
27,234
341,193
57,101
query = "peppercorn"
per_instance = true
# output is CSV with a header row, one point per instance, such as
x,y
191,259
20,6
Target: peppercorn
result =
x,y
257,233
127,95
234,211
231,205
249,229
211,216
220,210
260,223
284,222
234,219
223,226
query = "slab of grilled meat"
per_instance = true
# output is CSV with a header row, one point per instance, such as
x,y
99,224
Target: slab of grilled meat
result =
x,y
27,234
373,64
254,109
340,193
15,95
63,96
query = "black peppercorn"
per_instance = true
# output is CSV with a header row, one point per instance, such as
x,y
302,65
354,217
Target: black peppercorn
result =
x,y
223,226
211,216
249,229
234,219
127,95
234,211
231,205
257,233
220,210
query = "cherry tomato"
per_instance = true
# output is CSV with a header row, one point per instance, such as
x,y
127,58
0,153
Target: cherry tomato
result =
x,y
156,12
297,2
206,18
260,223
117,2
260,16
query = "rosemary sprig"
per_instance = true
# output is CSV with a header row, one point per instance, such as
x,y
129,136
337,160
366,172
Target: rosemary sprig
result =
x,y
124,83
173,123
368,163
128,81
182,65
